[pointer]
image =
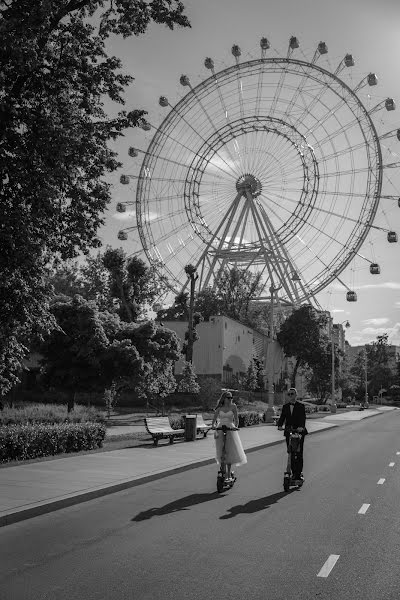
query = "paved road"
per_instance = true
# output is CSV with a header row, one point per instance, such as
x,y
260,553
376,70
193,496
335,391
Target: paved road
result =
x,y
177,538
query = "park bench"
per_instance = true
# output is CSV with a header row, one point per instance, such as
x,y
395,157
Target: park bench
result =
x,y
160,427
202,426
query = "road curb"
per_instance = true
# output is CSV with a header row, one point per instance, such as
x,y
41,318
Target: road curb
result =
x,y
47,507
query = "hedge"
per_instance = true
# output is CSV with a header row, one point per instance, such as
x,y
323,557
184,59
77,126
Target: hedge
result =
x,y
250,417
48,413
246,418
21,442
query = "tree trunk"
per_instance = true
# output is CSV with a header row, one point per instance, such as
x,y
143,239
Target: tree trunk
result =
x,y
298,361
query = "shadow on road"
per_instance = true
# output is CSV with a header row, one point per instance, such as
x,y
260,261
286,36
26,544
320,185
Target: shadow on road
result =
x,y
176,506
255,505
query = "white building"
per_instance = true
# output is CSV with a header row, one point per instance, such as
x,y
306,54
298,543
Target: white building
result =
x,y
226,347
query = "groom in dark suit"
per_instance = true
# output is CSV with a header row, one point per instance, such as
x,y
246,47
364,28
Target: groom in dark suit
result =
x,y
293,415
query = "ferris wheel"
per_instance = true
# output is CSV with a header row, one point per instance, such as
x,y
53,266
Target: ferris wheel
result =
x,y
275,165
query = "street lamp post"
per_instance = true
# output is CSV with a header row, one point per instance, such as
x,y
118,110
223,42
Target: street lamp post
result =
x,y
190,271
269,413
366,379
333,361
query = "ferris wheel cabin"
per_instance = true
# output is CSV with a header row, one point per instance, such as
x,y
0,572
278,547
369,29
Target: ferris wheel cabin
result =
x,y
122,235
392,236
121,207
390,104
351,296
374,269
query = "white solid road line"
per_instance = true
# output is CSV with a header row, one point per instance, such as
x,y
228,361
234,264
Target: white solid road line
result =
x,y
381,481
364,509
328,566
391,464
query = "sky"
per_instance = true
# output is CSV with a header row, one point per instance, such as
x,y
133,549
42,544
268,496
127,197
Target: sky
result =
x,y
367,29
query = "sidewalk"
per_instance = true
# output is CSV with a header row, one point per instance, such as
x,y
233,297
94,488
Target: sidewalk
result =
x,y
37,488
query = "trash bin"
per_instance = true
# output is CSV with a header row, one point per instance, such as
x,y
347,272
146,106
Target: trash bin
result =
x,y
333,408
190,427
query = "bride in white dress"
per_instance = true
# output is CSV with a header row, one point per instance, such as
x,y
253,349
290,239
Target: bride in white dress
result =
x,y
226,413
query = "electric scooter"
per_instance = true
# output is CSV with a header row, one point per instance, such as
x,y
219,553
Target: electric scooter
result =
x,y
293,448
223,482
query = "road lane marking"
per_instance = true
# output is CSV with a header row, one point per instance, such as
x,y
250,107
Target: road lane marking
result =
x,y
328,566
398,453
364,509
381,481
391,464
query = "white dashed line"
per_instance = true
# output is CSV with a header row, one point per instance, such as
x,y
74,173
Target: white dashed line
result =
x,y
381,481
391,464
398,453
328,566
364,509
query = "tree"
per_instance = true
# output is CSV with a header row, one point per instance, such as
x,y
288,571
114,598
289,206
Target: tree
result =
x,y
96,282
379,373
301,336
188,382
66,280
132,283
159,348
236,288
208,303
78,356
319,373
232,294
260,373
179,311
357,372
92,351
55,144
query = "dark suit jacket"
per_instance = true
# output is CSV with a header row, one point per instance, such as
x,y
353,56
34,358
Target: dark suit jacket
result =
x,y
295,419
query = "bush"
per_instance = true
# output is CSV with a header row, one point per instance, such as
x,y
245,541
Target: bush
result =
x,y
21,442
250,417
177,422
48,413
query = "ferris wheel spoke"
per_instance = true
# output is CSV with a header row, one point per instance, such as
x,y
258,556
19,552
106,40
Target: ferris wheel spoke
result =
x,y
212,125
332,136
226,114
231,171
240,89
278,91
310,107
307,222
316,256
342,152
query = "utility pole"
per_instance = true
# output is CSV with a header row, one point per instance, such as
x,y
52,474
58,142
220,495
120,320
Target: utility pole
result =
x,y
333,360
190,271
366,378
269,414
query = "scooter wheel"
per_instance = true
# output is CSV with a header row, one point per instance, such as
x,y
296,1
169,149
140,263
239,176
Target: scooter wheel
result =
x,y
286,483
220,485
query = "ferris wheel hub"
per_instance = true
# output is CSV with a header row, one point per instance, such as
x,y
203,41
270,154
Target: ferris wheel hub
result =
x,y
249,183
